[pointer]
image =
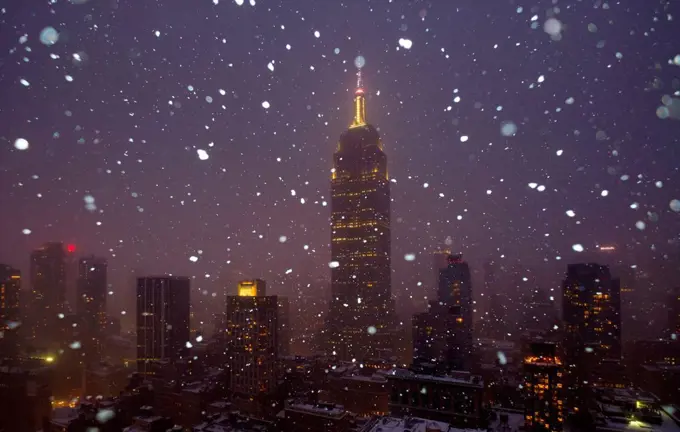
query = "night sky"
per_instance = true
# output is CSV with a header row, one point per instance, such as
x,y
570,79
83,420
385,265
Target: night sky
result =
x,y
117,108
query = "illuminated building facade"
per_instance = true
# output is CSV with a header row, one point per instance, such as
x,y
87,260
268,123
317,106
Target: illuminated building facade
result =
x,y
361,309
10,314
543,392
592,323
91,301
48,294
251,334
591,308
162,320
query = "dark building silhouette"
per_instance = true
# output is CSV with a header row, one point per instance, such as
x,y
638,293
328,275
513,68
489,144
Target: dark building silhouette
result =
x,y
10,313
283,322
162,319
442,335
440,260
91,300
674,314
48,289
543,388
251,336
361,309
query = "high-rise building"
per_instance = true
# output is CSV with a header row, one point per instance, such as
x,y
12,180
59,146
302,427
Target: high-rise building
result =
x,y
251,336
543,392
10,314
162,319
591,307
455,289
361,312
674,314
592,324
439,338
283,322
48,289
442,335
91,300
440,261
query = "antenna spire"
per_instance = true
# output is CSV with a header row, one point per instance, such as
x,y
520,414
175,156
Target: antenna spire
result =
x,y
359,101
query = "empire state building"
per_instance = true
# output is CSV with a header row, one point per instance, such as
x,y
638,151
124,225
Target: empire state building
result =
x,y
361,308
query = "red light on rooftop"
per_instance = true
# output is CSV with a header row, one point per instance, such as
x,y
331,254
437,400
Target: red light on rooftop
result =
x,y
359,91
70,248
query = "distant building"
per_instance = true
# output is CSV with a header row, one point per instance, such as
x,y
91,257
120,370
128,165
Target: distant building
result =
x,y
162,319
91,301
301,417
440,261
443,334
455,399
674,314
10,313
440,338
591,311
544,398
251,337
283,321
48,289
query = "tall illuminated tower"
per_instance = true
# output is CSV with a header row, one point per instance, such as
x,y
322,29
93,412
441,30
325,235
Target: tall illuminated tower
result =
x,y
361,307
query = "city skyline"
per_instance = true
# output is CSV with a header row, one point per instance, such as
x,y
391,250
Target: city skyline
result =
x,y
244,190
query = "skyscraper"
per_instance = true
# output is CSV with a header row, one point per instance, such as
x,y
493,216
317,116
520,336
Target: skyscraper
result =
x,y
162,319
591,312
91,299
443,334
361,308
251,334
48,289
10,315
440,260
455,289
543,392
591,307
673,326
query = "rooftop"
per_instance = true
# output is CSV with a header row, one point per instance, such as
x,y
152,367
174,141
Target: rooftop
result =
x,y
321,409
464,378
411,424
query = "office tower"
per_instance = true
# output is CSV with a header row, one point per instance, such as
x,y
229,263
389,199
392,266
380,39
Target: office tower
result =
x,y
361,312
674,314
439,338
455,289
440,260
72,274
10,314
283,322
91,301
162,319
592,326
591,308
443,334
540,314
543,397
251,333
48,288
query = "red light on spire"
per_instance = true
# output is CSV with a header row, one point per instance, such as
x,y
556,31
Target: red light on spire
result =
x,y
70,248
